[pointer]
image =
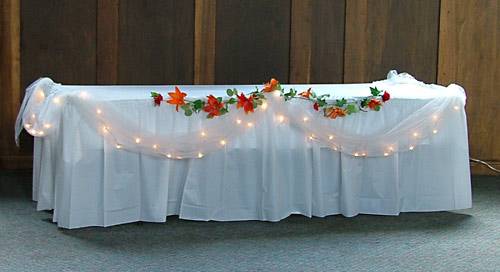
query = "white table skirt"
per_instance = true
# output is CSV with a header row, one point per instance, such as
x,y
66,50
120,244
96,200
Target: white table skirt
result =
x,y
88,182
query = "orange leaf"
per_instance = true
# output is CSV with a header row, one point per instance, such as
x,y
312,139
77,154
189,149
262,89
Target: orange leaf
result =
x,y
270,86
177,98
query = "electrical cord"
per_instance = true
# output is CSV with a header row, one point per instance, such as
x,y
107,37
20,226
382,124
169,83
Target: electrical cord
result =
x,y
485,164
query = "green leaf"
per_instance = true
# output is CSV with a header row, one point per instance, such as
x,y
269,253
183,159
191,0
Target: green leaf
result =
x,y
340,102
231,100
154,94
351,108
223,111
229,92
375,91
188,112
377,108
198,104
219,99
186,107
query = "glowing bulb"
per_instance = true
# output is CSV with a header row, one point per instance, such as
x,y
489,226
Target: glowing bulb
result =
x,y
169,156
434,117
335,148
249,124
41,133
311,137
238,121
391,148
99,111
281,118
434,131
137,140
83,95
104,129
356,154
203,134
179,157
118,146
222,142
305,119
33,116
330,137
56,100
32,131
200,155
264,105
27,126
415,134
386,154
411,147
41,95
155,146
456,107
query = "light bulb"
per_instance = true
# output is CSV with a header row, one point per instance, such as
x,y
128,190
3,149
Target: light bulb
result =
x,y
83,95
200,155
415,134
434,131
456,107
104,129
56,100
249,124
411,147
356,154
169,155
330,137
305,119
41,133
137,140
264,105
386,154
203,134
434,117
179,157
47,125
118,146
98,111
155,146
27,126
281,118
222,142
238,121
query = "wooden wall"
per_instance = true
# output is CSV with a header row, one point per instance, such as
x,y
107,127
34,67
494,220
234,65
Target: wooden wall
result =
x,y
247,41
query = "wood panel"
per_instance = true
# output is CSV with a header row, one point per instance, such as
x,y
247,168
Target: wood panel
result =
x,y
390,34
204,42
469,47
107,41
252,41
10,90
156,42
58,40
317,41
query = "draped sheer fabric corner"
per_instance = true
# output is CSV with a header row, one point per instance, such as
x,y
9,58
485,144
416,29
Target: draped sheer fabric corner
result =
x,y
161,131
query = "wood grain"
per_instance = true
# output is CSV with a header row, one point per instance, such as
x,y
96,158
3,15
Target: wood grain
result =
x,y
156,40
390,34
317,41
204,42
469,47
252,41
10,83
107,41
58,40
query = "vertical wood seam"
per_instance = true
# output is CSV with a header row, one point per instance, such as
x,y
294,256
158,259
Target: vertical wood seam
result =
x,y
204,41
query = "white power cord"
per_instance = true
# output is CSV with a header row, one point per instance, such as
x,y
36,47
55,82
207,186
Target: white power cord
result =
x,y
485,164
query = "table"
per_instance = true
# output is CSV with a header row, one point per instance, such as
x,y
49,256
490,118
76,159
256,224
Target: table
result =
x,y
412,156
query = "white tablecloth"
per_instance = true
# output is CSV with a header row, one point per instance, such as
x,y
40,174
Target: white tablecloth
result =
x,y
87,181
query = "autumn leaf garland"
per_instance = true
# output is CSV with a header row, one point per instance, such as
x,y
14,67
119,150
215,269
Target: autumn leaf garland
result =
x,y
217,106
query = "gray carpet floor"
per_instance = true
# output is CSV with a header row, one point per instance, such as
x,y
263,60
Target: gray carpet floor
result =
x,y
467,240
